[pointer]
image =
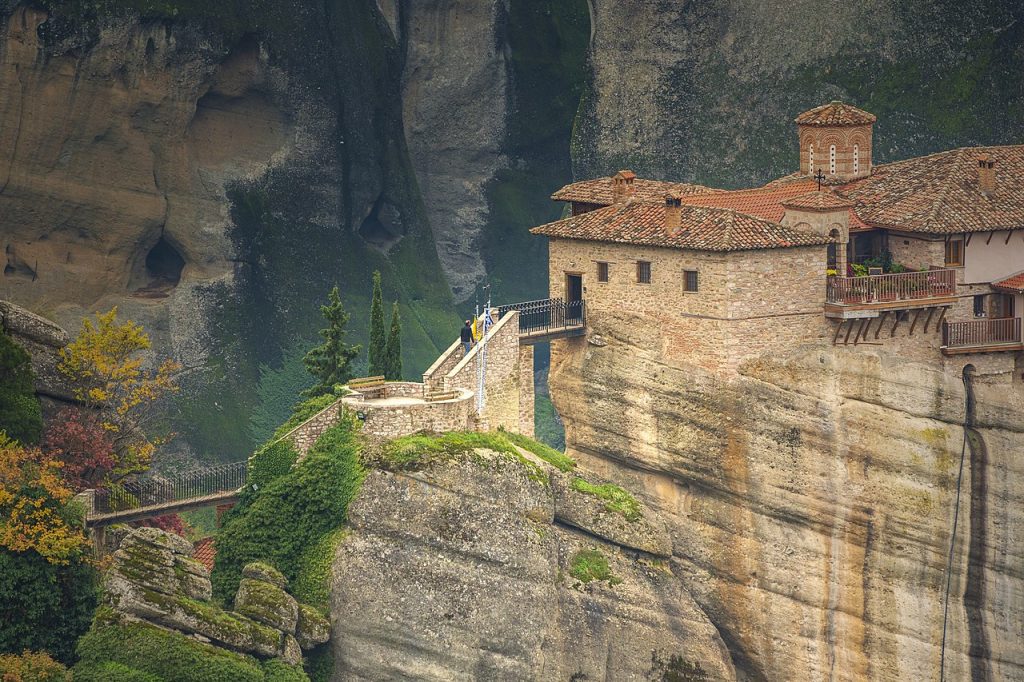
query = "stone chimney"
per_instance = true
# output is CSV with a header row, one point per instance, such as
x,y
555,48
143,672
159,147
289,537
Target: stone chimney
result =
x,y
622,186
986,175
673,214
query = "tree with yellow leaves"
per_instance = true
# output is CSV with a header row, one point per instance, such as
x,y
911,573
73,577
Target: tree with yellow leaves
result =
x,y
108,374
33,505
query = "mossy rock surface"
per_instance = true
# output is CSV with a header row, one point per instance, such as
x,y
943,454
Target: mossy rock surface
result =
x,y
257,570
313,628
267,604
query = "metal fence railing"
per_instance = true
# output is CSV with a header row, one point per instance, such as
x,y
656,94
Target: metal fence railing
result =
x,y
157,489
547,315
981,332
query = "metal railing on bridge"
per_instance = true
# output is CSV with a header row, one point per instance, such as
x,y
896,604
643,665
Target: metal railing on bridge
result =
x,y
547,315
159,490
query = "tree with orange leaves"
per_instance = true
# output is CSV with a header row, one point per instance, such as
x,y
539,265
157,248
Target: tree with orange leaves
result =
x,y
34,513
108,374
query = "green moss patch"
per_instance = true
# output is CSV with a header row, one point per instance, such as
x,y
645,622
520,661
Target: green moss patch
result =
x,y
559,460
591,564
413,453
616,499
144,652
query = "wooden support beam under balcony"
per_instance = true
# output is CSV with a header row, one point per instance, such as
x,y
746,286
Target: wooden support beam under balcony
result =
x,y
982,336
869,296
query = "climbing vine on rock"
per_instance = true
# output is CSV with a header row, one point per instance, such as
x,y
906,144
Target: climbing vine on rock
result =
x,y
20,416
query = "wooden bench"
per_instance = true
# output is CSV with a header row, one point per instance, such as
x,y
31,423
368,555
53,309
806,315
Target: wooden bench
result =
x,y
440,395
369,386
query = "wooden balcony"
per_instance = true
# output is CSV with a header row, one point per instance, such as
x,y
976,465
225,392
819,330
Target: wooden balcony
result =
x,y
855,297
982,336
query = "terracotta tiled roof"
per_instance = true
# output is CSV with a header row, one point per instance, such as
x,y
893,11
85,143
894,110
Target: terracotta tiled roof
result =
x,y
599,190
703,229
1013,283
835,113
939,193
205,551
818,201
764,202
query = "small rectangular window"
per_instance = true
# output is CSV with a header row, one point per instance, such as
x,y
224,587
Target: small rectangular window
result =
x,y
689,280
643,272
954,252
602,272
979,305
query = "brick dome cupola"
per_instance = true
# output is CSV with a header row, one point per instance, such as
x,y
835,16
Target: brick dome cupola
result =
x,y
836,139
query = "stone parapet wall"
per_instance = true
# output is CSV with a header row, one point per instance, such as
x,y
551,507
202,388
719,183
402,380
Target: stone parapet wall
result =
x,y
433,378
305,434
507,397
385,420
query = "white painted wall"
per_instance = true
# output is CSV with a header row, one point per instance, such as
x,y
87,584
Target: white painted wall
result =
x,y
995,260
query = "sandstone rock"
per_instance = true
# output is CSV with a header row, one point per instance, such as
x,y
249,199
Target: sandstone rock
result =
x,y
291,653
161,539
265,572
810,496
450,578
267,604
196,586
647,532
313,629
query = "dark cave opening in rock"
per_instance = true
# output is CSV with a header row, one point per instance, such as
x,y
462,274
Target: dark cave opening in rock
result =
x,y
383,227
164,265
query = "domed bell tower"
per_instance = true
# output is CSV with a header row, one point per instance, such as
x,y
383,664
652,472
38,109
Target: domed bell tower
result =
x,y
835,139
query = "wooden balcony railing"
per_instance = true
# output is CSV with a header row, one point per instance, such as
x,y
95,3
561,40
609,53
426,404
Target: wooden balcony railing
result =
x,y
980,333
903,286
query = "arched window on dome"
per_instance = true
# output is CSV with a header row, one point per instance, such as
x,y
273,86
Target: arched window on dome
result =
x,y
856,159
832,160
810,159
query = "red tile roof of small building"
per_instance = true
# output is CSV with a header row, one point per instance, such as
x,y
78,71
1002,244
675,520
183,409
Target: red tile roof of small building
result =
x,y
818,200
835,113
1013,283
205,551
703,228
939,193
599,190
765,202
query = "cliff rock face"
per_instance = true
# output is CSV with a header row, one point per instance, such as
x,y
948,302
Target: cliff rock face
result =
x,y
707,91
469,569
454,101
811,496
212,173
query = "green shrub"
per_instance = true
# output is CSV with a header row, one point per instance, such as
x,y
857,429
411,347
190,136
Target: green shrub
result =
x,y
32,667
591,564
412,453
320,664
112,672
162,654
278,523
20,415
270,462
559,460
279,671
616,499
311,586
44,606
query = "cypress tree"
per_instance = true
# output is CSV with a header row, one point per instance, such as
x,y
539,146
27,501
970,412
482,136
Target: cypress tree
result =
x,y
378,339
393,349
331,362
20,415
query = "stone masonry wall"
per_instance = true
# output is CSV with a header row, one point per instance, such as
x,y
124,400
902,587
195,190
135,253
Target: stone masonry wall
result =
x,y
745,299
392,421
504,398
526,393
917,253
305,434
433,378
